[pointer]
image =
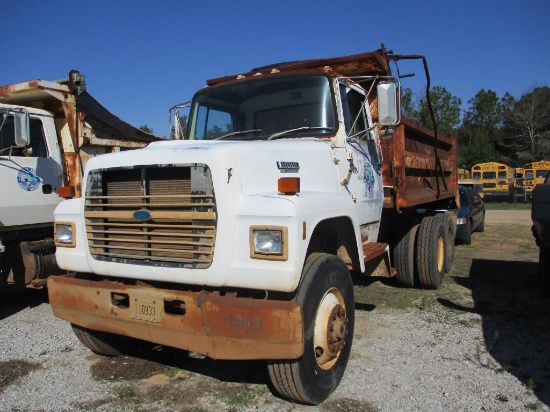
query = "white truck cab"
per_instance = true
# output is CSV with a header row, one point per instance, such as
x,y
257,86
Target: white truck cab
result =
x,y
48,130
30,170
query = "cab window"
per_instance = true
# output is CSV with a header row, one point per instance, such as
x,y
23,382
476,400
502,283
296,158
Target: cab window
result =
x,y
354,113
37,147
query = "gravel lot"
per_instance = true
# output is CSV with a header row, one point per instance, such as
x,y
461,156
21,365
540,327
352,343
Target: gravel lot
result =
x,y
480,342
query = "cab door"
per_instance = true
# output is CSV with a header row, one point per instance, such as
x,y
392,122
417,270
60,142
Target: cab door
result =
x,y
360,162
30,177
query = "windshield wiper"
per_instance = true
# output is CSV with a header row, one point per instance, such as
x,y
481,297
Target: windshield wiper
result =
x,y
238,133
297,129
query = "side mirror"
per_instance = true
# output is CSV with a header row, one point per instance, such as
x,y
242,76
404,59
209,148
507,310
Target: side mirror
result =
x,y
389,110
179,120
21,126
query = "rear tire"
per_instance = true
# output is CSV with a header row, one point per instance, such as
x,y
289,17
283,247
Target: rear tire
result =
x,y
326,296
450,230
101,343
481,227
467,239
404,259
430,252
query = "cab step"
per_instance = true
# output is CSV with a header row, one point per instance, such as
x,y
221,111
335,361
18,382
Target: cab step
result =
x,y
377,259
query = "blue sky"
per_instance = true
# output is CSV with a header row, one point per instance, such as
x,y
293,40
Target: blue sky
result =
x,y
141,57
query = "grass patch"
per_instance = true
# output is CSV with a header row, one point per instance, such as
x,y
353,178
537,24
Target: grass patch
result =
x,y
127,393
385,294
535,406
175,372
92,405
237,397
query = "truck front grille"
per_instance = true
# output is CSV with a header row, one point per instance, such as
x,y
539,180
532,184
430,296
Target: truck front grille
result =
x,y
152,215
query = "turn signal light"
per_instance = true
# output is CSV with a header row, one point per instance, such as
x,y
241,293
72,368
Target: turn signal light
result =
x,y
289,185
66,192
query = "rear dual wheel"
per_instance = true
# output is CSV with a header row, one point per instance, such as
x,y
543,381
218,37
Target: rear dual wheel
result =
x,y
428,249
404,259
326,296
450,229
431,251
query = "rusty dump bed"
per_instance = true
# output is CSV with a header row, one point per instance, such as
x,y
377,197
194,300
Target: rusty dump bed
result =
x,y
364,64
65,98
414,172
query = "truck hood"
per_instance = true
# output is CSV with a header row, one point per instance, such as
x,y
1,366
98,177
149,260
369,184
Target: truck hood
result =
x,y
255,165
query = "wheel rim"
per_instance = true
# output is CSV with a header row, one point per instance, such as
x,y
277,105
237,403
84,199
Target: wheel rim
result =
x,y
440,253
330,329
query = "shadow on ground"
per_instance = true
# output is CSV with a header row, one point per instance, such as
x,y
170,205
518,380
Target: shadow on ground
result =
x,y
515,318
14,299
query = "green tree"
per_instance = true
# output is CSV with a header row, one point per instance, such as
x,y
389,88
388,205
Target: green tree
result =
x,y
146,129
408,108
479,134
446,109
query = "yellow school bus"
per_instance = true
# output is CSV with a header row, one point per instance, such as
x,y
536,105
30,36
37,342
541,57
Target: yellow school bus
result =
x,y
465,179
464,174
497,179
534,174
519,180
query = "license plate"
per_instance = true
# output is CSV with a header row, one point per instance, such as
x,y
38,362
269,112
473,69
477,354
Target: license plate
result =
x,y
148,310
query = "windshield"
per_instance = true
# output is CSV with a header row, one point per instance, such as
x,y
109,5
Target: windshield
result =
x,y
276,107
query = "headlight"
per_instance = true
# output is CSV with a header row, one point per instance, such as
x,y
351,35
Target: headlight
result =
x,y
64,233
268,243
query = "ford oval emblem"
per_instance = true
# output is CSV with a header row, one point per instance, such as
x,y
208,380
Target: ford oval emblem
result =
x,y
142,215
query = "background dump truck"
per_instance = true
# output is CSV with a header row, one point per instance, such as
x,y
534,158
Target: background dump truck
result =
x,y
238,241
48,131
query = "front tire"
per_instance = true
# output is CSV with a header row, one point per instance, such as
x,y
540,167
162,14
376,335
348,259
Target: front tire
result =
x,y
100,343
326,296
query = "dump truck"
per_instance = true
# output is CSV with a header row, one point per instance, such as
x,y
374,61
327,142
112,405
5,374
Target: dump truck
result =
x,y
48,131
237,241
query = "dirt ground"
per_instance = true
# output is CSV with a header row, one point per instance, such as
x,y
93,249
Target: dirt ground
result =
x,y
478,343
519,217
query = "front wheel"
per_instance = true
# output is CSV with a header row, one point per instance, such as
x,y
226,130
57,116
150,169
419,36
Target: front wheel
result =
x,y
326,296
101,343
